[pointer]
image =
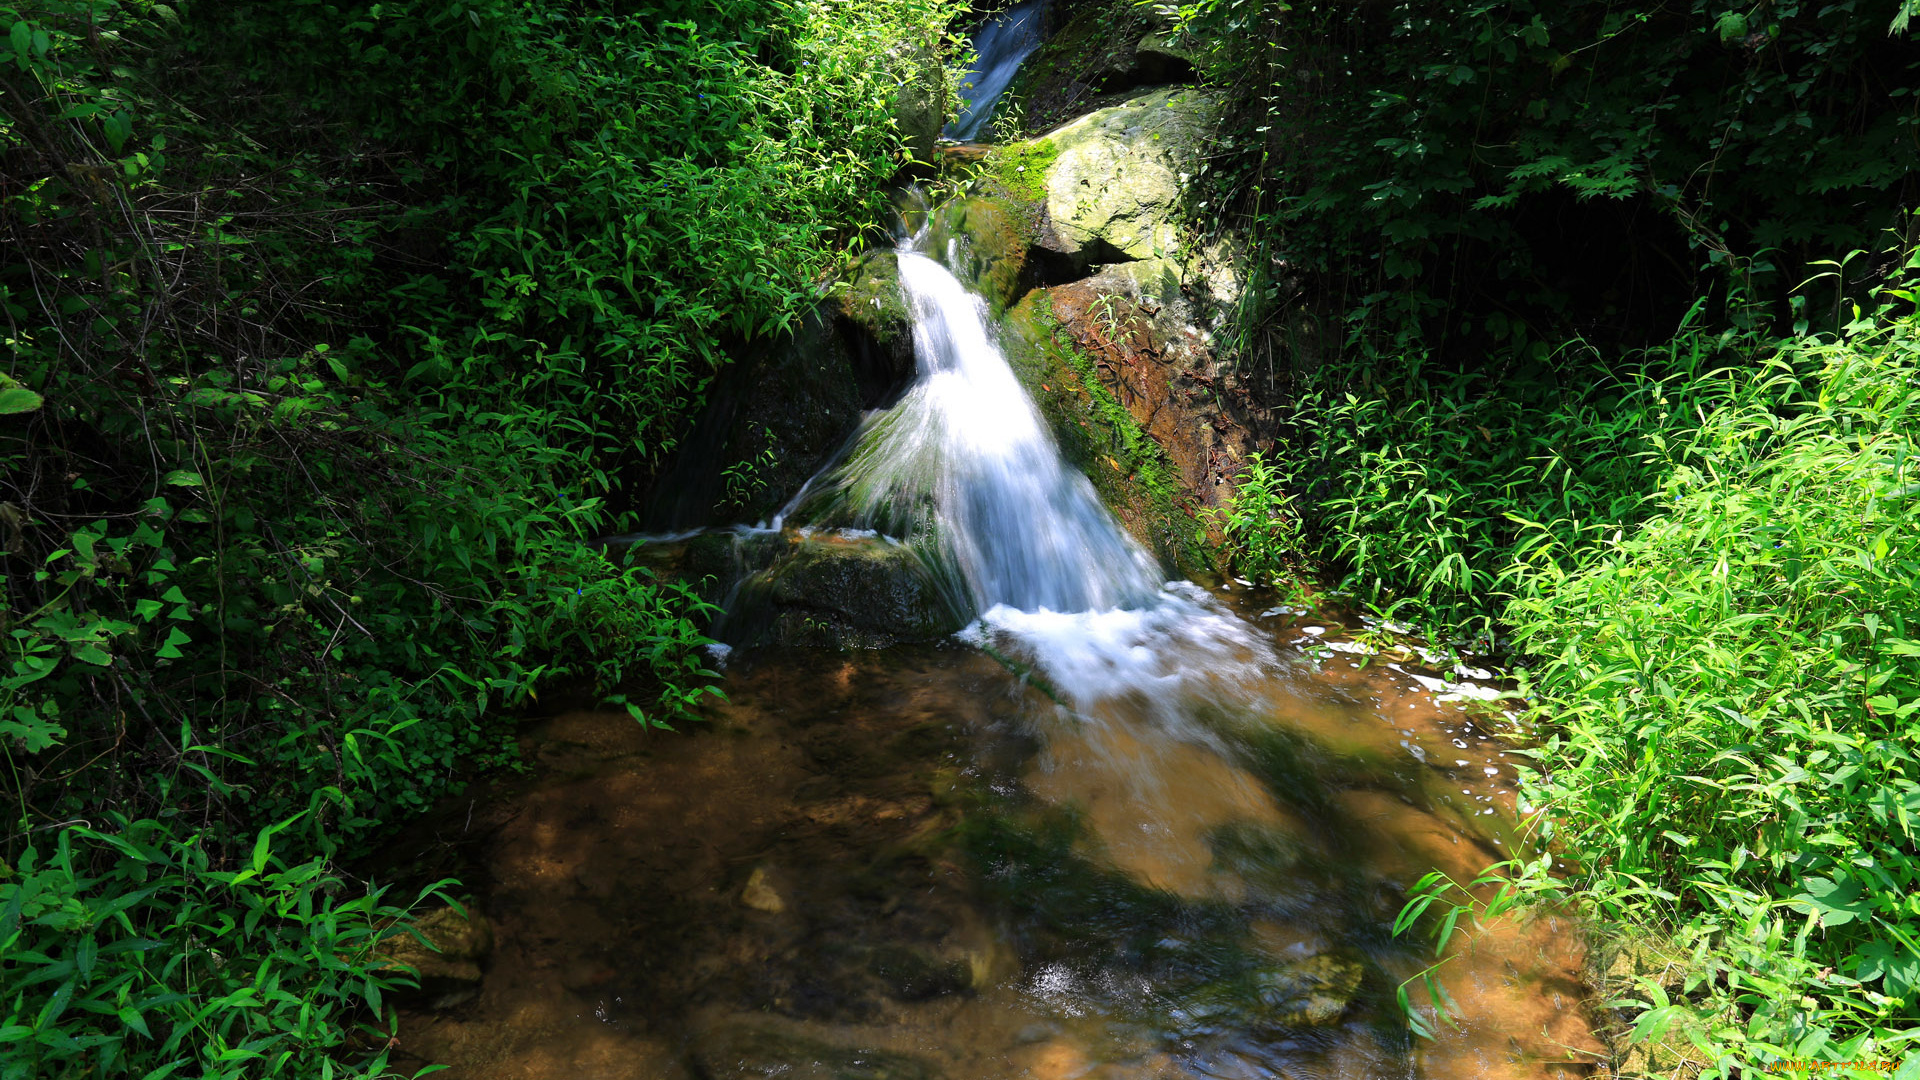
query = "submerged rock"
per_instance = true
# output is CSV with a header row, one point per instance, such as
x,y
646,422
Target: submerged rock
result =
x,y
760,895
1272,1000
916,974
1310,993
448,960
738,1050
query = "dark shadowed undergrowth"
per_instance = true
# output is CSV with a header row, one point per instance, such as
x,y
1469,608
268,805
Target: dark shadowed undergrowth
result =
x,y
334,333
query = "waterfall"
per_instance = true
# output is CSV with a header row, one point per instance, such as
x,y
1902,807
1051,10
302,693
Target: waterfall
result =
x,y
964,468
1001,43
964,462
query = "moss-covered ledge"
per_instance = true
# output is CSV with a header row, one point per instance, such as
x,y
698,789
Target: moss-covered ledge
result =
x,y
1129,469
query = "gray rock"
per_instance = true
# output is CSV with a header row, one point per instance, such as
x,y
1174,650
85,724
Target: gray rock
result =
x,y
1121,173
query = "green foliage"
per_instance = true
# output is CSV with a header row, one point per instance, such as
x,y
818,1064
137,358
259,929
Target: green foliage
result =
x,y
1429,162
1425,492
334,335
1729,700
1260,523
1734,692
160,963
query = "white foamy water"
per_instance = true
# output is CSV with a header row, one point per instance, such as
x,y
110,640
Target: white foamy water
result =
x,y
1158,650
965,464
965,468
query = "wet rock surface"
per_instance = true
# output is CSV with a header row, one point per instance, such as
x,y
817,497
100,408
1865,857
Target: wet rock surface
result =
x,y
873,316
844,591
744,1050
446,948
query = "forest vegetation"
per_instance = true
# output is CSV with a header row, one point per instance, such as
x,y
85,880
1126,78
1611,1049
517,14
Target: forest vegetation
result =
x,y
336,331
1610,313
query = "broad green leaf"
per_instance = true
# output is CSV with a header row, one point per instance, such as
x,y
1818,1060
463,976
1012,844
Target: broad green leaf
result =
x,y
18,399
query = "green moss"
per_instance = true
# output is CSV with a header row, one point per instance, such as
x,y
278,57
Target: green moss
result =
x,y
1022,168
1129,469
873,298
995,235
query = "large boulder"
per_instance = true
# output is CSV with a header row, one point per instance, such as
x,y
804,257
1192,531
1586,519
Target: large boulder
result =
x,y
1117,182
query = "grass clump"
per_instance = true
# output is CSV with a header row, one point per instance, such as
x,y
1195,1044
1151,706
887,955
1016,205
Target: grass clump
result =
x,y
1732,693
1022,168
1713,563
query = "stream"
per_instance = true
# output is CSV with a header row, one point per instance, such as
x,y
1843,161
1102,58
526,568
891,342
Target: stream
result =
x,y
1116,828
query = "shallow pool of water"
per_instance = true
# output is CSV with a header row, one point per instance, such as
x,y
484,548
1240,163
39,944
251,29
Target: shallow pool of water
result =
x,y
918,863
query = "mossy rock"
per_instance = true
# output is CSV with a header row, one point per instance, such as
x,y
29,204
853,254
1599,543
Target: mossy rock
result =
x,y
851,591
1130,473
1100,51
920,105
1118,183
874,315
987,242
743,1051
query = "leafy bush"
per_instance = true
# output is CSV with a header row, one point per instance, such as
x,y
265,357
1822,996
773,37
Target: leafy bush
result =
x,y
335,333
1732,695
1260,524
160,964
1451,173
1425,490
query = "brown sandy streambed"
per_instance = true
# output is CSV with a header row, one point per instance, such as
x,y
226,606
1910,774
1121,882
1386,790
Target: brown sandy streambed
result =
x,y
911,864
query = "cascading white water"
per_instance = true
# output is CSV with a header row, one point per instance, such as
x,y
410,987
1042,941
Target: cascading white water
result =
x,y
1001,43
965,467
964,461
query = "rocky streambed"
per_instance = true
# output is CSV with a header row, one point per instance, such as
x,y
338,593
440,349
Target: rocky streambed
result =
x,y
904,863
